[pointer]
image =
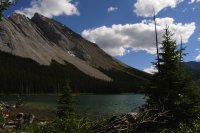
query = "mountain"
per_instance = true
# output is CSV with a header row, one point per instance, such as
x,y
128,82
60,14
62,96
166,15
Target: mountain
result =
x,y
194,67
45,43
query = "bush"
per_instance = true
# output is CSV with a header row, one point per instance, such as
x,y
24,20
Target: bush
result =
x,y
71,125
1,118
193,127
28,128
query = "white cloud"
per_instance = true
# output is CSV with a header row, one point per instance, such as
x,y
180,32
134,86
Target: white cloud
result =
x,y
50,8
193,1
184,10
145,7
151,70
198,38
115,40
197,58
12,1
112,9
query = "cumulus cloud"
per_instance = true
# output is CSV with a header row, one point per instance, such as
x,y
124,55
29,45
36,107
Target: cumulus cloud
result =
x,y
145,7
151,70
117,39
50,8
193,1
112,9
197,58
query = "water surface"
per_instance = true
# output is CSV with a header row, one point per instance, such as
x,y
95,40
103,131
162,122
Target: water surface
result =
x,y
90,105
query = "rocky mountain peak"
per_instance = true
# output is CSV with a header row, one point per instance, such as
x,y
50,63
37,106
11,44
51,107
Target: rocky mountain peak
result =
x,y
18,18
17,15
43,40
37,15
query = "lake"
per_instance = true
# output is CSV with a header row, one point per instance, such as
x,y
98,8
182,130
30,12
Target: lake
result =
x,y
87,105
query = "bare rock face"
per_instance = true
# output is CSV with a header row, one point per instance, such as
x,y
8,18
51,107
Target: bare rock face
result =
x,y
68,40
43,40
60,35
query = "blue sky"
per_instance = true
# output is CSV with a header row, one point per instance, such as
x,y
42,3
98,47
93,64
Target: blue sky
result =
x,y
124,28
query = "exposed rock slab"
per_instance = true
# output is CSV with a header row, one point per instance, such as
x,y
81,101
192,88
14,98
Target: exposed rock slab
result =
x,y
44,40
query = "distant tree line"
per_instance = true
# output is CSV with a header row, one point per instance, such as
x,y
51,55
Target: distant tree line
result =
x,y
23,75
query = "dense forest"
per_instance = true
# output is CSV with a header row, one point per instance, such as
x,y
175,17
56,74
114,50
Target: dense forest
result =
x,y
194,68
23,75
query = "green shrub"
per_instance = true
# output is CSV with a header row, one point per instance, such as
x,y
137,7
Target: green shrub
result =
x,y
71,125
2,120
28,128
193,127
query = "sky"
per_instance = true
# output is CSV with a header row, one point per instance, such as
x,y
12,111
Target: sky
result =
x,y
124,28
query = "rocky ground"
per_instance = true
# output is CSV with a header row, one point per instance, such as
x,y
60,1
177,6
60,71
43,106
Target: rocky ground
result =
x,y
121,124
16,116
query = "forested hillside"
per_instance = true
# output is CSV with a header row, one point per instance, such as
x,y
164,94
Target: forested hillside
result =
x,y
23,75
194,68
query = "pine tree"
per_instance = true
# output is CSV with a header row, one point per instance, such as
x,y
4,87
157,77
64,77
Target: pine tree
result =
x,y
167,81
4,5
156,35
172,80
65,104
170,94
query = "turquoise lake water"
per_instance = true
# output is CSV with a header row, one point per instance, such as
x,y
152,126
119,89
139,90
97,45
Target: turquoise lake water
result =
x,y
90,105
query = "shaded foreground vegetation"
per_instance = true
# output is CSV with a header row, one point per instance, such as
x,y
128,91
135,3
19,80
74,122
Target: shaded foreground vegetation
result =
x,y
172,105
173,99
66,121
23,75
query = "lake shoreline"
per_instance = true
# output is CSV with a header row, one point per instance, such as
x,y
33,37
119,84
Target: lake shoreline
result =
x,y
57,94
86,104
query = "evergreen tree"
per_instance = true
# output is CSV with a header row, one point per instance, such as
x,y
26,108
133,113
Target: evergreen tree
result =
x,y
173,80
170,80
65,104
170,95
4,5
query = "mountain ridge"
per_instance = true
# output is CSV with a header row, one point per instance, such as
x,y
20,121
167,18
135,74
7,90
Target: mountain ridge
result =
x,y
194,68
43,40
18,40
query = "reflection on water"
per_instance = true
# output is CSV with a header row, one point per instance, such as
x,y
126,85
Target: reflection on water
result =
x,y
90,105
